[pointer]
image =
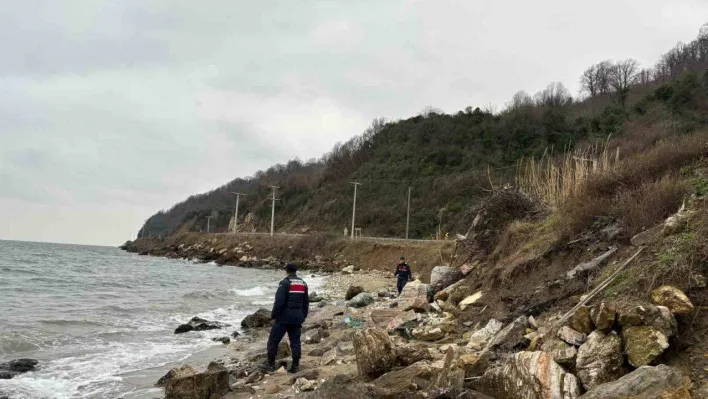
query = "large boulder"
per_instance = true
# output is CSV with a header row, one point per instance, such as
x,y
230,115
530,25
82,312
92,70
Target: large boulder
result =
x,y
177,372
414,294
259,319
361,300
374,352
660,382
199,324
600,359
673,298
443,276
529,375
479,338
561,352
211,384
603,316
353,291
643,344
17,366
581,321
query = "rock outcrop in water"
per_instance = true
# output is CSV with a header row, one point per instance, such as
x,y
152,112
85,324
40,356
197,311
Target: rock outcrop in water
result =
x,y
199,324
259,319
17,366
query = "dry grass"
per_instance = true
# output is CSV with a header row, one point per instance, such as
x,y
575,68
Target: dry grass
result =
x,y
593,183
555,182
640,191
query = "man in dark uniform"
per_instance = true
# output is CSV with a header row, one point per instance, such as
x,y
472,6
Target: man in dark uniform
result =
x,y
289,312
403,271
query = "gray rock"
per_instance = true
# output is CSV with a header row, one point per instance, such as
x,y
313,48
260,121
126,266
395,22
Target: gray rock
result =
x,y
313,336
562,353
571,336
361,300
223,340
199,324
479,338
510,337
660,382
353,291
443,276
259,319
211,384
177,372
600,359
17,366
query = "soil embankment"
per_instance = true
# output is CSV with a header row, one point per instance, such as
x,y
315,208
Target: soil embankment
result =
x,y
315,252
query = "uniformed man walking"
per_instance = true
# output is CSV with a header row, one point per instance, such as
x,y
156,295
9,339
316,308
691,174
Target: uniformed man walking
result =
x,y
289,312
403,272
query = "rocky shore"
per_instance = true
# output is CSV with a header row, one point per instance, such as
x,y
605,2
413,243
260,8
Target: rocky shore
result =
x,y
363,341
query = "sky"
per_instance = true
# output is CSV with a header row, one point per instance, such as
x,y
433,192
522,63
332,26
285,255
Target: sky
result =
x,y
112,110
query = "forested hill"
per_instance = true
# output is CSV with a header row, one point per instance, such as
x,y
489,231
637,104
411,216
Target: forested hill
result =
x,y
452,161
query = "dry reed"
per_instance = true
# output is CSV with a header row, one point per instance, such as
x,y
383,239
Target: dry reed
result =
x,y
554,181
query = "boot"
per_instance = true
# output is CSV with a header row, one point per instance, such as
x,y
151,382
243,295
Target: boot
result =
x,y
268,367
294,367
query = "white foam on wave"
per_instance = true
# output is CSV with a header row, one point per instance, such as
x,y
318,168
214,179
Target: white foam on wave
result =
x,y
254,291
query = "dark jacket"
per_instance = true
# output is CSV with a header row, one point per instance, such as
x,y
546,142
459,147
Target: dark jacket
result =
x,y
292,301
403,271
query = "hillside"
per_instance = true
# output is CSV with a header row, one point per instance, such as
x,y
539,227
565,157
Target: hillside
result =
x,y
452,162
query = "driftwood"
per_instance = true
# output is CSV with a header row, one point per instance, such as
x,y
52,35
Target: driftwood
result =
x,y
592,264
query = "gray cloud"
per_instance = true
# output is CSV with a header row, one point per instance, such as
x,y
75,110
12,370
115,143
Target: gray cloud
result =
x,y
111,110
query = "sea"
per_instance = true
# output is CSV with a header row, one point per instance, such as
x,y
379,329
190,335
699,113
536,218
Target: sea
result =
x,y
101,321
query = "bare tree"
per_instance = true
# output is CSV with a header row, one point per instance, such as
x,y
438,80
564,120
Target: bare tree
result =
x,y
588,81
520,100
429,110
603,71
554,95
622,76
645,76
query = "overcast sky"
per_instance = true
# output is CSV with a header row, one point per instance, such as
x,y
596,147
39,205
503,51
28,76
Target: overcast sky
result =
x,y
112,110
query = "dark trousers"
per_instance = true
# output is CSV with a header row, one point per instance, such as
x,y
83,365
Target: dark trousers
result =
x,y
277,332
400,284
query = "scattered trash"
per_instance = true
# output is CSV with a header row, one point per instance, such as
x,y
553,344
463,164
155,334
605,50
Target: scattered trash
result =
x,y
353,323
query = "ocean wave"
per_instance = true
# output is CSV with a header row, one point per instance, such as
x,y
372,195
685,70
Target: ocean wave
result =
x,y
68,323
254,291
209,294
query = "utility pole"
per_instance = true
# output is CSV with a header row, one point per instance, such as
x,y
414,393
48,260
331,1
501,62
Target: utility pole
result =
x,y
354,207
208,223
238,195
408,211
272,212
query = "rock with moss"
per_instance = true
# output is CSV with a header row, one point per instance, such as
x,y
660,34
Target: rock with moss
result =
x,y
603,316
643,344
673,298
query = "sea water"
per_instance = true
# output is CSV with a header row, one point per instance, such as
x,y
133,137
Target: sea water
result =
x,y
101,321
